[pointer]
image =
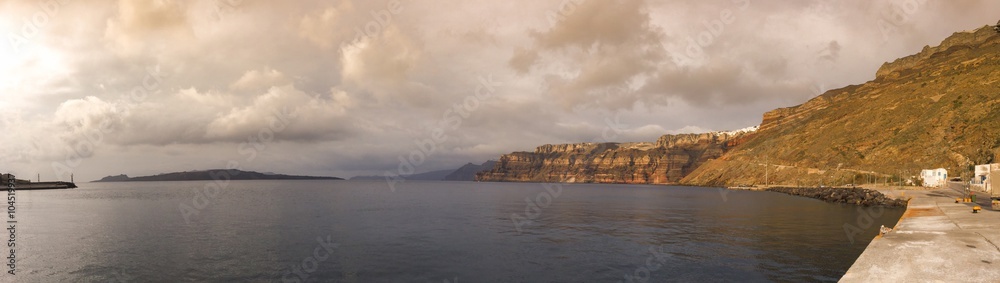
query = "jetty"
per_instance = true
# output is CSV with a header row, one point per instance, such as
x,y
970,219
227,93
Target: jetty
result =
x,y
29,185
45,185
938,239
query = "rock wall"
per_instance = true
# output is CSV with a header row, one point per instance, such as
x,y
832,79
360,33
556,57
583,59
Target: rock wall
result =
x,y
665,162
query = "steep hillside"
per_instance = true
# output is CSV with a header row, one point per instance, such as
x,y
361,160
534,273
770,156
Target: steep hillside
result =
x,y
937,108
665,162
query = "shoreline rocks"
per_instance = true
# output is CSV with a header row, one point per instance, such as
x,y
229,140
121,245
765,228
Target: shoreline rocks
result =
x,y
854,196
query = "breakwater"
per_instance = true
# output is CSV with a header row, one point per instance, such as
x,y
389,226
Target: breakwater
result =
x,y
45,185
855,196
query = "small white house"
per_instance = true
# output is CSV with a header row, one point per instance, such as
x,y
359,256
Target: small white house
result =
x,y
934,177
984,176
982,172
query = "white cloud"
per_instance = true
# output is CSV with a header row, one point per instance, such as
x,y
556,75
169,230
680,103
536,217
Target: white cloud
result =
x,y
288,113
326,29
260,79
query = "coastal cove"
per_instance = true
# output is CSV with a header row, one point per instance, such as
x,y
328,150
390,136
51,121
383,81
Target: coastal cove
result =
x,y
584,232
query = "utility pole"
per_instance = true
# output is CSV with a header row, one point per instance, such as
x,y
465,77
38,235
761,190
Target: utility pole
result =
x,y
766,171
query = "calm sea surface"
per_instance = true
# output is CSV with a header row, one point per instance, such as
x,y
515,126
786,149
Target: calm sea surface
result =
x,y
361,231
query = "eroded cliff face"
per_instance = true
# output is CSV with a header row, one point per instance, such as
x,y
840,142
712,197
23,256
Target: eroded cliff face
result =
x,y
961,40
666,161
929,63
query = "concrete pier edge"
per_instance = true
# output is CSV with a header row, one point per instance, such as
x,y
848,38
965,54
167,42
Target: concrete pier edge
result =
x,y
936,240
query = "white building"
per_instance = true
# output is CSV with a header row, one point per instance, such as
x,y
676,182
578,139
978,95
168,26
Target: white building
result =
x,y
982,172
984,176
934,177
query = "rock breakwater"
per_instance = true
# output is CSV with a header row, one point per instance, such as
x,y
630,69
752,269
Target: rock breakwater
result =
x,y
855,196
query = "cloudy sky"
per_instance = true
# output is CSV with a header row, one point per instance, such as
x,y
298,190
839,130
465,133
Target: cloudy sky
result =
x,y
347,87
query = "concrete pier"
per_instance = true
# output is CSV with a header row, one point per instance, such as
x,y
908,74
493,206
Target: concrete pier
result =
x,y
936,240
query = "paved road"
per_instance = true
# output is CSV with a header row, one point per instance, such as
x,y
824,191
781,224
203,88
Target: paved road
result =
x,y
982,198
936,240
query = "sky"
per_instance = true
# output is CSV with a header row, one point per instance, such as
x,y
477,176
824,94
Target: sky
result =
x,y
344,88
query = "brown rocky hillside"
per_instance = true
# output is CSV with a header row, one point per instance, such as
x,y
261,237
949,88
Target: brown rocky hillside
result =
x,y
937,108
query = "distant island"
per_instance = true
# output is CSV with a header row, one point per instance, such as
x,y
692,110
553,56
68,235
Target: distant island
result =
x,y
233,174
465,173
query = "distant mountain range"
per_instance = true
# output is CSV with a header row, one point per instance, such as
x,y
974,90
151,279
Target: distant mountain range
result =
x,y
426,176
468,171
465,173
233,174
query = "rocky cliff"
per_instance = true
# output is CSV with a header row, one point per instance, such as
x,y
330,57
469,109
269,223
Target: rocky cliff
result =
x,y
961,40
936,108
666,161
